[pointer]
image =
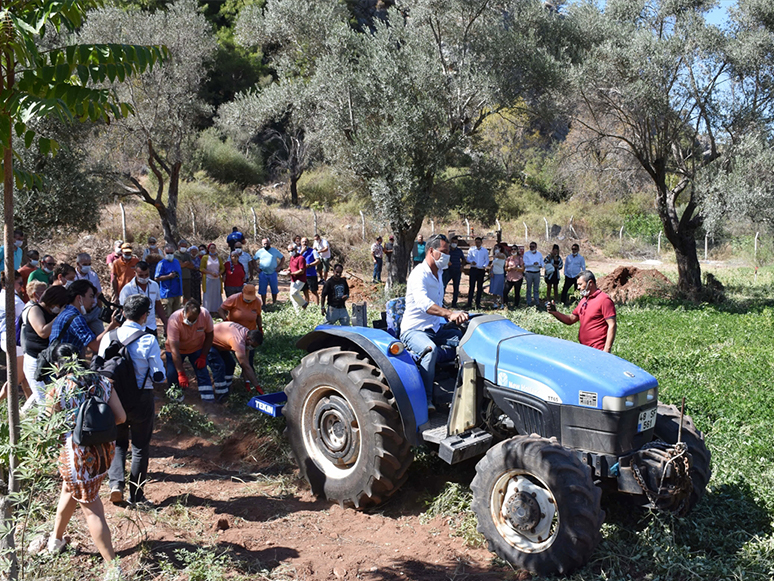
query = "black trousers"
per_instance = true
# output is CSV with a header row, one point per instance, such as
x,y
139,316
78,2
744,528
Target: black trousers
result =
x,y
453,275
569,283
138,428
513,284
476,280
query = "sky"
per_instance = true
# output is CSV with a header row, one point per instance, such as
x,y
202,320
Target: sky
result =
x,y
719,16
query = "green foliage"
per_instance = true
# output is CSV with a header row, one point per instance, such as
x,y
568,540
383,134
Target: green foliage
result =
x,y
200,565
184,419
225,162
319,186
454,503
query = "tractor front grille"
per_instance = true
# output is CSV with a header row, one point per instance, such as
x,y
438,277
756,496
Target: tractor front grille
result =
x,y
531,418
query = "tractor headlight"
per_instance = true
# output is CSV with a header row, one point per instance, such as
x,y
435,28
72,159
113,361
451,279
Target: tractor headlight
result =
x,y
620,404
396,348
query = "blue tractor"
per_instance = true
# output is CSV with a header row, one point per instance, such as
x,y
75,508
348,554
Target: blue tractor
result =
x,y
554,423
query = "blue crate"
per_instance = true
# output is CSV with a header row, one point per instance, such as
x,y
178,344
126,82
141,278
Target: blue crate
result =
x,y
270,404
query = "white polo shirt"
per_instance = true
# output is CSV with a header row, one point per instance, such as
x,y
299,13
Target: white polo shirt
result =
x,y
530,258
91,276
423,290
151,291
478,255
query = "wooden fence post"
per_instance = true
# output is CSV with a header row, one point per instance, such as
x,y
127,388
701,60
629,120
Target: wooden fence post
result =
x,y
123,222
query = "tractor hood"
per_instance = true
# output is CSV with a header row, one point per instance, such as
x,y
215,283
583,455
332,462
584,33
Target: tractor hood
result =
x,y
554,370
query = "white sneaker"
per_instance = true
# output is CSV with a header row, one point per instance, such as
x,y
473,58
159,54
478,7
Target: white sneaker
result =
x,y
55,545
116,495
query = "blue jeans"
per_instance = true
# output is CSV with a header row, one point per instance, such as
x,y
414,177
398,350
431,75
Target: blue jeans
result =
x,y
269,280
378,270
202,375
222,365
533,288
417,341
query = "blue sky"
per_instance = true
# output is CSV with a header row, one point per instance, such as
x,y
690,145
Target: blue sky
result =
x,y
718,16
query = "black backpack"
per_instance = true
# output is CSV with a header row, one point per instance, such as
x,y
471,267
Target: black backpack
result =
x,y
95,422
116,364
45,364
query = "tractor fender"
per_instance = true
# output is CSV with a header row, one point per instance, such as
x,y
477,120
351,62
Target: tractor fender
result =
x,y
400,371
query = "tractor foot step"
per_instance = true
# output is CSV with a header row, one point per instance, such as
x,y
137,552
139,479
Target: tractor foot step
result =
x,y
460,447
435,429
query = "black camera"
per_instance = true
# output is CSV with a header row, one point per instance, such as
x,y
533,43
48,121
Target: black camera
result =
x,y
108,309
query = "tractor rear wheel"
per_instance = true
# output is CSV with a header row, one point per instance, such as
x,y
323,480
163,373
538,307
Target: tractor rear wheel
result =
x,y
344,428
537,505
667,429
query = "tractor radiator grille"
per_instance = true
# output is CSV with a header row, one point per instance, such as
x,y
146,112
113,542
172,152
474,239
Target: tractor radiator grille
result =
x,y
531,418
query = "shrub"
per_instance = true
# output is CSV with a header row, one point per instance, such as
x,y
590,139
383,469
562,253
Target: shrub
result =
x,y
225,162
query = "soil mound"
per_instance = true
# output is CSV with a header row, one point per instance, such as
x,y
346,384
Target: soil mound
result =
x,y
628,283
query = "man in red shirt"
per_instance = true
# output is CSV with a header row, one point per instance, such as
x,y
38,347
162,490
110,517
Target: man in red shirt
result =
x,y
297,271
596,313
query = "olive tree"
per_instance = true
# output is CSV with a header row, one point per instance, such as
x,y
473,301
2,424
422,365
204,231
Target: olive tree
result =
x,y
677,94
397,104
160,135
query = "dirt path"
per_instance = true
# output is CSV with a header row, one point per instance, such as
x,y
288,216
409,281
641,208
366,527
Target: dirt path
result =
x,y
230,496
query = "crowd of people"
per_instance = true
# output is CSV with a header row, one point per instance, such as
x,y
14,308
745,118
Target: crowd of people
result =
x,y
63,313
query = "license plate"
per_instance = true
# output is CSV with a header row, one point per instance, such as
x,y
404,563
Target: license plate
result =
x,y
647,419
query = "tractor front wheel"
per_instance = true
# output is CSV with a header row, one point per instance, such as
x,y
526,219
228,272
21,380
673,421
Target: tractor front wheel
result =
x,y
537,505
344,428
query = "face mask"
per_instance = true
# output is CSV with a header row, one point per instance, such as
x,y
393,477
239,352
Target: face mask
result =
x,y
213,252
183,249
143,279
169,257
83,310
35,263
46,269
454,245
18,243
443,262
127,256
68,283
292,252
85,269
575,254
187,322
584,293
248,301
238,251
56,310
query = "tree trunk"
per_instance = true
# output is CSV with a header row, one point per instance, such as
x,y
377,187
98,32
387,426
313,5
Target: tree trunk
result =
x,y
688,267
294,189
401,255
8,541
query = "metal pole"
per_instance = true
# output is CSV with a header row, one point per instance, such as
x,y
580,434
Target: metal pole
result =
x,y
432,227
659,242
546,221
362,219
193,222
314,215
706,245
255,225
526,233
467,223
756,251
123,222
620,235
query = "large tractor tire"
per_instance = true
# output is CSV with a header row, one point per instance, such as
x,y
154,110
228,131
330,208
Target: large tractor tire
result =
x,y
344,428
667,428
537,505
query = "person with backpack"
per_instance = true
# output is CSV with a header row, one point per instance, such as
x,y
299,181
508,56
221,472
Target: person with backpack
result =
x,y
70,325
82,467
131,356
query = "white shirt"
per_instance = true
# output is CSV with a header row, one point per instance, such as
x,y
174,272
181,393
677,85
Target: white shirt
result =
x,y
19,307
318,246
574,265
529,258
151,291
244,260
423,290
498,266
91,276
145,353
478,255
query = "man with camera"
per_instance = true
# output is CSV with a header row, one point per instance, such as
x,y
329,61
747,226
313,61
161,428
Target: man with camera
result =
x,y
145,354
142,284
70,325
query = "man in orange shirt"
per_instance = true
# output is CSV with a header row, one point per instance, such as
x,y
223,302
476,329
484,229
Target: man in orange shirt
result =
x,y
236,338
244,308
190,335
122,270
